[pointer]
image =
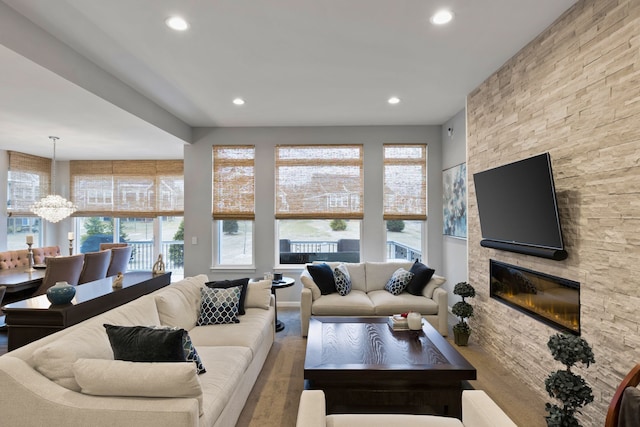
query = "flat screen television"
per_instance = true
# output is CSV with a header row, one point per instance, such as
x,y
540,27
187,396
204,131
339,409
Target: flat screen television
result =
x,y
518,208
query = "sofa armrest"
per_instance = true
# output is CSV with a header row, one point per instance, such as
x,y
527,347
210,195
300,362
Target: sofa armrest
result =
x,y
479,410
312,409
305,310
50,404
441,297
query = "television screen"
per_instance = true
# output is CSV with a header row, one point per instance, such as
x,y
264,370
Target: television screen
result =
x,y
517,203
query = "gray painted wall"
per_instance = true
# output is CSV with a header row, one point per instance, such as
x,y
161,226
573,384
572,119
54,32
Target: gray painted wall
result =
x,y
454,250
197,166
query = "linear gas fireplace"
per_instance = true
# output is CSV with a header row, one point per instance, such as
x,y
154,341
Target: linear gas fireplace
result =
x,y
552,300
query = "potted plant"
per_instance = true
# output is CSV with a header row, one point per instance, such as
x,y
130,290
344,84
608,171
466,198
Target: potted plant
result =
x,y
463,310
564,385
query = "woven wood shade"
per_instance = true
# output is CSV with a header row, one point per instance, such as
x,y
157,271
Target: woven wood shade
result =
x,y
405,182
29,181
233,182
319,182
128,188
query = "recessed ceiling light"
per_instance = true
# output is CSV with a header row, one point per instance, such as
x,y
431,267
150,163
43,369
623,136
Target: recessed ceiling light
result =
x,y
177,23
238,101
393,100
442,17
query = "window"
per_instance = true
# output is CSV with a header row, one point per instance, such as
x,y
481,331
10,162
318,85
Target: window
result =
x,y
29,180
405,195
319,204
148,236
233,204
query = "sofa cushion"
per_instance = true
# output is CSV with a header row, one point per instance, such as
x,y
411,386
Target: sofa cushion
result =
x,y
379,273
356,303
385,420
219,384
435,282
322,275
179,303
421,276
223,284
101,377
89,340
254,328
145,344
258,295
386,304
398,281
343,280
219,306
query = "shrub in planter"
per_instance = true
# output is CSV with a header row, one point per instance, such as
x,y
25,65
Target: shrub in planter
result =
x,y
463,310
571,389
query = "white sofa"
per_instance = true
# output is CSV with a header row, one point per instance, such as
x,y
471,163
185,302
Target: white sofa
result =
x,y
37,381
369,298
478,410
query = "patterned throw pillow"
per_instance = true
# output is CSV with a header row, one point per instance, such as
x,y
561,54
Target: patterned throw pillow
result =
x,y
398,281
219,306
343,281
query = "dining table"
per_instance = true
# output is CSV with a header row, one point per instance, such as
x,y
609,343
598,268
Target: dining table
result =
x,y
20,282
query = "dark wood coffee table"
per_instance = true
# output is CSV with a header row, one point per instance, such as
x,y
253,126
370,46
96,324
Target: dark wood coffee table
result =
x,y
364,366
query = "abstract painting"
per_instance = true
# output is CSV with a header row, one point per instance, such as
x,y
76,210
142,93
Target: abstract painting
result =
x,y
454,203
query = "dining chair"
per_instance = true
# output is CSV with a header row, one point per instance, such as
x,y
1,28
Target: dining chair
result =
x,y
39,254
95,266
59,269
119,260
14,259
104,246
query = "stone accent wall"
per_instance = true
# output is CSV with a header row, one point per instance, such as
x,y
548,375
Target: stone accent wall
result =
x,y
574,91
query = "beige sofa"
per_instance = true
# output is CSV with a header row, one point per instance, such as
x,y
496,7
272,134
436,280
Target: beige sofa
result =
x,y
369,298
47,382
478,410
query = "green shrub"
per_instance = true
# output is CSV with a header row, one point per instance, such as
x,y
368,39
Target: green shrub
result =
x,y
230,226
396,225
338,225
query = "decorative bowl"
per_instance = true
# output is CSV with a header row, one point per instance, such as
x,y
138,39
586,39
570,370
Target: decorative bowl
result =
x,y
61,293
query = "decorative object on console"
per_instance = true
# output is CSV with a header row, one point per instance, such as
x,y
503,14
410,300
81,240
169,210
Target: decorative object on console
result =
x,y
571,389
464,310
61,293
70,236
117,281
158,267
53,208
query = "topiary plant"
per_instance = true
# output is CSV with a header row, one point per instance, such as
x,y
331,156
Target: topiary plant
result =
x,y
564,385
463,310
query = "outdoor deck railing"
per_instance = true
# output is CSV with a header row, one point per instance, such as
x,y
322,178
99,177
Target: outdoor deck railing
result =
x,y
142,256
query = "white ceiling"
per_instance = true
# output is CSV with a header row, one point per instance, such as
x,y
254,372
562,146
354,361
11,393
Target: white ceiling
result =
x,y
295,62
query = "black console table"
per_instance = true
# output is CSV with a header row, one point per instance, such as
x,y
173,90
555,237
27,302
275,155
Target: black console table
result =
x,y
31,319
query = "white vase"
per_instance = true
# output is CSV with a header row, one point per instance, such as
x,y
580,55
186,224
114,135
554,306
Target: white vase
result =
x,y
414,320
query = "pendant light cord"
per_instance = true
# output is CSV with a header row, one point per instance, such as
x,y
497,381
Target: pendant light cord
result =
x,y
53,174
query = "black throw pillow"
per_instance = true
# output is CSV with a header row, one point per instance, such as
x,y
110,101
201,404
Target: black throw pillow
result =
x,y
144,344
225,284
322,274
421,276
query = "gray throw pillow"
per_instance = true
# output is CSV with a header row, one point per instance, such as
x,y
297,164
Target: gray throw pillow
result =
x,y
219,306
398,281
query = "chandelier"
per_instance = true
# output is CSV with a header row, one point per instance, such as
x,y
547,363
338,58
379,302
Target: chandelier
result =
x,y
53,208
